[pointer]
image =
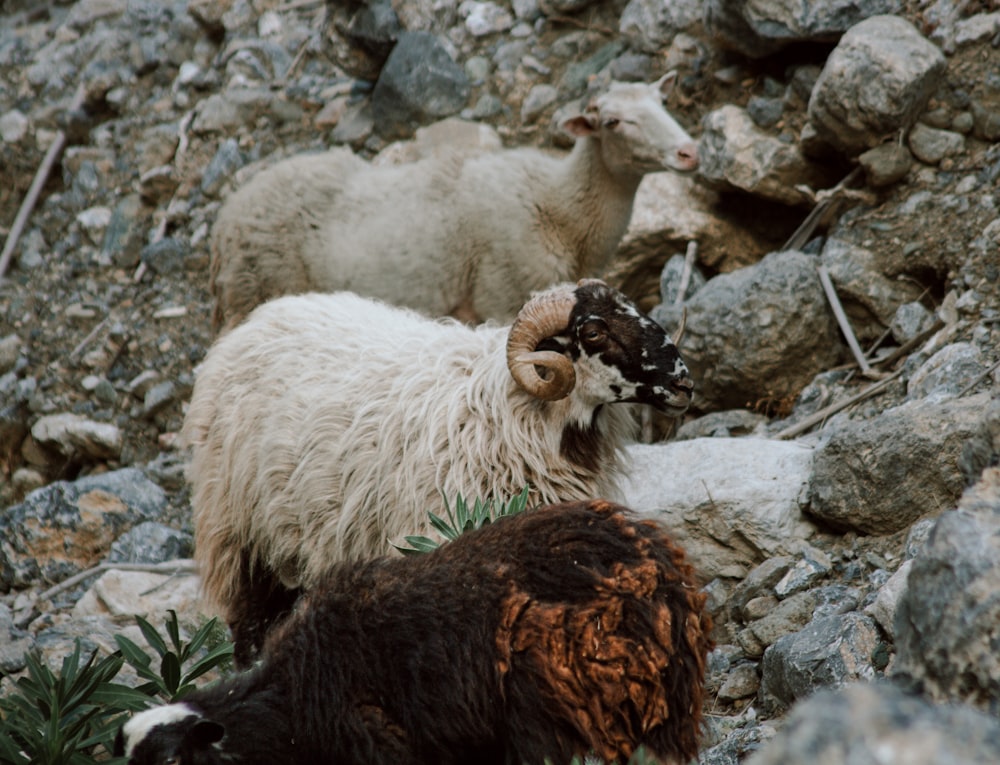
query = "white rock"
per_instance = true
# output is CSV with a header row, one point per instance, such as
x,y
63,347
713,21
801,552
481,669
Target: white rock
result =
x,y
124,593
730,502
13,126
73,435
485,18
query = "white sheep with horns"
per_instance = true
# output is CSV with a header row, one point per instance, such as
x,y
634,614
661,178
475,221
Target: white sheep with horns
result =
x,y
468,235
326,426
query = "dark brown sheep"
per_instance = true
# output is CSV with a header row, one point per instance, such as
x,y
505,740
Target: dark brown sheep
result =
x,y
567,629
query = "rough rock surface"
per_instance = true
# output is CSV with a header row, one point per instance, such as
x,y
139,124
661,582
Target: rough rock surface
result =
x,y
104,311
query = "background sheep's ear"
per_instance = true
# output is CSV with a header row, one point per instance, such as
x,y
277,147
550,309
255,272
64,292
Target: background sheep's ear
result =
x,y
666,84
580,125
204,733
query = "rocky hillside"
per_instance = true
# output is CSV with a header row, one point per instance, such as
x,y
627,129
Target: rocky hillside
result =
x,y
837,257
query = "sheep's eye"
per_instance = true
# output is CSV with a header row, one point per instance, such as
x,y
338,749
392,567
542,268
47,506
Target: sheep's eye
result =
x,y
593,335
174,760
611,123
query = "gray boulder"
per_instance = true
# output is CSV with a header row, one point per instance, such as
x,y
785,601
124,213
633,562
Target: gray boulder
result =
x,y
759,28
829,651
759,334
876,81
948,619
878,476
420,83
736,154
878,724
66,527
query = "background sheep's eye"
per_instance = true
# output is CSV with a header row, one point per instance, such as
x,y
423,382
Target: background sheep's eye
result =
x,y
611,122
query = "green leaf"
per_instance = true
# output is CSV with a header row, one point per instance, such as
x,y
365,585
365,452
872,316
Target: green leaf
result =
x,y
170,670
214,658
199,638
152,636
133,654
174,630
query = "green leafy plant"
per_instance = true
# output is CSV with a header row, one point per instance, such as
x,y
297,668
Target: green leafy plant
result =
x,y
171,681
61,719
461,518
71,717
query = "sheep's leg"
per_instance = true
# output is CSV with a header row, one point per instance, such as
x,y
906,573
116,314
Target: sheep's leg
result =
x,y
261,603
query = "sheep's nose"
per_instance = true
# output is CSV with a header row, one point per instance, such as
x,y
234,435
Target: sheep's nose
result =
x,y
687,156
682,385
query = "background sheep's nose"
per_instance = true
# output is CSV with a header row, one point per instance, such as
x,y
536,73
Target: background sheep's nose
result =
x,y
687,156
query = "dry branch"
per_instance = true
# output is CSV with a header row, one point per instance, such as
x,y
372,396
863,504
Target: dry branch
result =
x,y
822,414
845,324
35,190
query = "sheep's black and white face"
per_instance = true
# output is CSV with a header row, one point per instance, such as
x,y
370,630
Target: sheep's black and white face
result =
x,y
620,354
174,734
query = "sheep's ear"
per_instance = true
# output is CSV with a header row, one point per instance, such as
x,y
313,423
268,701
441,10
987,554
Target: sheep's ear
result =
x,y
666,84
580,125
204,733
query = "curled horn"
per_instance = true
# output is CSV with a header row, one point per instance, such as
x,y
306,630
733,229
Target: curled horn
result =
x,y
541,317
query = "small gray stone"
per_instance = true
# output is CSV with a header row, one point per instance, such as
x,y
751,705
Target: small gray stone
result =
x,y
760,581
151,542
931,145
804,574
13,126
947,372
165,256
485,18
539,98
355,125
158,398
10,349
123,237
883,608
742,682
227,160
790,615
886,164
77,437
829,651
910,320
985,122
765,112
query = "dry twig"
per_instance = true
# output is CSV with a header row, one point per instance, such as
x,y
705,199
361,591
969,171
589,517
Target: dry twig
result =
x,y
818,417
35,190
689,257
979,379
845,324
181,566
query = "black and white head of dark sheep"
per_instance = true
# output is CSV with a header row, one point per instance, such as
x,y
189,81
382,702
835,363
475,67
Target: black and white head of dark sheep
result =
x,y
606,351
175,734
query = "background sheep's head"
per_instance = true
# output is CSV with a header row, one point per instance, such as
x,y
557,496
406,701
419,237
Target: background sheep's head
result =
x,y
637,134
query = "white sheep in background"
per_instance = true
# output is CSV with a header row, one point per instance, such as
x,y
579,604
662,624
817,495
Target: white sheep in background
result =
x,y
327,425
468,235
